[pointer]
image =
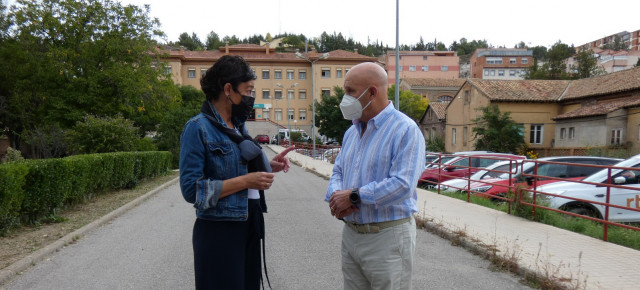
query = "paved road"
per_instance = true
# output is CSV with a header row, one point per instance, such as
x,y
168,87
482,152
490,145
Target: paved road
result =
x,y
150,248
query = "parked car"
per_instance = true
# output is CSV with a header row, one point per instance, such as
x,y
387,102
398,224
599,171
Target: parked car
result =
x,y
441,158
589,192
497,170
459,167
500,187
262,139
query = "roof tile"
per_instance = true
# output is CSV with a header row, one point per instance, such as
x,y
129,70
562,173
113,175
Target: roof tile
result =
x,y
521,90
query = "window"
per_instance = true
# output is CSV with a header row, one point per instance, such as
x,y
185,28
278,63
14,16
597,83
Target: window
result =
x,y
464,135
453,136
265,94
339,73
302,94
290,115
303,114
277,75
512,72
167,69
444,99
425,67
253,93
265,74
616,136
289,74
326,73
512,60
535,136
520,130
192,73
563,133
572,132
412,68
494,60
326,92
291,94
486,72
266,114
203,72
467,97
424,57
492,72
501,72
445,68
278,95
302,75
399,68
278,114
525,61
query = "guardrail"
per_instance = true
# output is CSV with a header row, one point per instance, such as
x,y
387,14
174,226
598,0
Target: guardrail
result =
x,y
527,183
326,153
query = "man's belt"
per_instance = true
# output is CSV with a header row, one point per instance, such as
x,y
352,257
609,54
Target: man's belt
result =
x,y
375,227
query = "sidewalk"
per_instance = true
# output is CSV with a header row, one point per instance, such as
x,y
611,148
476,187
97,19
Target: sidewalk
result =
x,y
581,262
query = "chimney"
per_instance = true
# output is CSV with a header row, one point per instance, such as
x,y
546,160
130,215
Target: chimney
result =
x,y
355,50
266,45
226,47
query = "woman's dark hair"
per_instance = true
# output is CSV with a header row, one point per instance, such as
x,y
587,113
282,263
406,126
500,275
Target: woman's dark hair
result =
x,y
228,69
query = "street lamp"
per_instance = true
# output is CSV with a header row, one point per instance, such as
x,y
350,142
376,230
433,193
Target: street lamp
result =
x,y
288,124
313,94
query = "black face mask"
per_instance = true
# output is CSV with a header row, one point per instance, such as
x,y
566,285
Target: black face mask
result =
x,y
244,108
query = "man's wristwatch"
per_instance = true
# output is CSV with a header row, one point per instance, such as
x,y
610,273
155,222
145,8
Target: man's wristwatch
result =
x,y
354,197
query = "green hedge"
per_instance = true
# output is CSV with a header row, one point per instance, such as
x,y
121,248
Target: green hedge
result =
x,y
31,190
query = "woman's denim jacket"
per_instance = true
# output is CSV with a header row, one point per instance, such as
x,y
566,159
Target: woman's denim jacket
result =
x,y
207,157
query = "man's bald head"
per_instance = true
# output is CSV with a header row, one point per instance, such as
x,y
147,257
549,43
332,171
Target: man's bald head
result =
x,y
370,80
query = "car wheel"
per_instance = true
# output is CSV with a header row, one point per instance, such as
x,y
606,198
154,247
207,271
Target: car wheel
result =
x,y
583,210
428,185
498,200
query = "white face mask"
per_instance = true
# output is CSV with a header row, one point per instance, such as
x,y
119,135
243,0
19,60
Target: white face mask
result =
x,y
351,107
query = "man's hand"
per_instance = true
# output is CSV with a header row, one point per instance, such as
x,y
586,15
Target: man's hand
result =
x,y
340,204
281,163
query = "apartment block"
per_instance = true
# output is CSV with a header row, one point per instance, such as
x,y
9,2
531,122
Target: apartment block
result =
x,y
500,63
610,60
631,40
284,86
422,65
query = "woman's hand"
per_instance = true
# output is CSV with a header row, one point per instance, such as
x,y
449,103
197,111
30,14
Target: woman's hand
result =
x,y
259,180
281,163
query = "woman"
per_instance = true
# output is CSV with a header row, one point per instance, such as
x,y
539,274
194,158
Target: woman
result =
x,y
224,174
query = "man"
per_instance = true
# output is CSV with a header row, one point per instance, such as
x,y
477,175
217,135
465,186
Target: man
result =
x,y
373,185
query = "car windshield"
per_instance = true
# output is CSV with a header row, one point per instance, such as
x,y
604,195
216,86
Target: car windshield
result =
x,y
601,175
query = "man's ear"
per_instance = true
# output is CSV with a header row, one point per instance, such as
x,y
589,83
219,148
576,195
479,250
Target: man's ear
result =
x,y
374,92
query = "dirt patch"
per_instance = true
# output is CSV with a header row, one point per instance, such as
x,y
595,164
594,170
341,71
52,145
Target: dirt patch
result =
x,y
20,242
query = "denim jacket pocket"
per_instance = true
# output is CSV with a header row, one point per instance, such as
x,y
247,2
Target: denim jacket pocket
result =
x,y
221,158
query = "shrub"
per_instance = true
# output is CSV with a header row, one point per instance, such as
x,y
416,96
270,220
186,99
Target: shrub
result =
x,y
46,186
12,179
13,155
145,144
101,135
435,144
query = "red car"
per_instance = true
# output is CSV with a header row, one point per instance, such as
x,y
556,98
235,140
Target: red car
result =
x,y
500,186
262,139
458,167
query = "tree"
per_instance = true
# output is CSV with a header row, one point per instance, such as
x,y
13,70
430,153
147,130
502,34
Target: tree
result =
x,y
616,45
329,119
190,42
411,104
555,66
496,131
587,65
539,52
213,41
64,59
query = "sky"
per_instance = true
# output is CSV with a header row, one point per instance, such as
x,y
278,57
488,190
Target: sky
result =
x,y
500,22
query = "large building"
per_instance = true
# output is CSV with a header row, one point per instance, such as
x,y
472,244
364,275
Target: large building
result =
x,y
422,65
631,40
284,84
610,60
500,63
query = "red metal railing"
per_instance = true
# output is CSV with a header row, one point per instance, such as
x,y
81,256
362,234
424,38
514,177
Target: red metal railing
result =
x,y
519,189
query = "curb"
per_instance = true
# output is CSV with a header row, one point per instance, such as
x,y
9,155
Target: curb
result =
x,y
16,268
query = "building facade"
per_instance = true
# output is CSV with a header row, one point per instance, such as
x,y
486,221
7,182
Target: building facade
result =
x,y
433,121
609,60
500,63
284,85
631,40
434,90
422,65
